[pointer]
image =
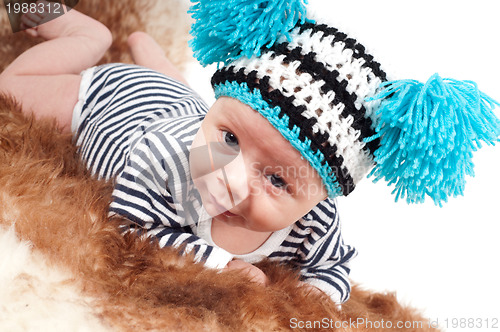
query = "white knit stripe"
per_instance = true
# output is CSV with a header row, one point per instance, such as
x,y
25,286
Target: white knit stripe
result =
x,y
361,80
307,92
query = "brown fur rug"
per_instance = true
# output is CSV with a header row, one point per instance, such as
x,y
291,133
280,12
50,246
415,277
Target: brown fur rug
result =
x,y
128,283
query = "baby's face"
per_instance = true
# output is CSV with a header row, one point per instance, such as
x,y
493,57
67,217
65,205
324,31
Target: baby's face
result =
x,y
250,176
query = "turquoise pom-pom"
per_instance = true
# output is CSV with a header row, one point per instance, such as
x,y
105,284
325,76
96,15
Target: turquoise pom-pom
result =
x,y
227,29
428,133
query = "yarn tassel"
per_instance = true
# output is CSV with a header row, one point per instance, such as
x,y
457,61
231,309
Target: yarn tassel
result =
x,y
428,133
227,29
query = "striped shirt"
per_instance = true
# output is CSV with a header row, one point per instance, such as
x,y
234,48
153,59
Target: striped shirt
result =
x,y
136,127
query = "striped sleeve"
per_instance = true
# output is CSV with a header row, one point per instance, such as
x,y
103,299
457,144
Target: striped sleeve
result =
x,y
151,191
120,99
322,255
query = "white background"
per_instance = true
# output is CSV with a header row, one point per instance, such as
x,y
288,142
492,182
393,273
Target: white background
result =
x,y
443,261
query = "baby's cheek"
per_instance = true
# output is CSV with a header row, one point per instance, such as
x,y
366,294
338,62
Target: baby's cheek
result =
x,y
272,217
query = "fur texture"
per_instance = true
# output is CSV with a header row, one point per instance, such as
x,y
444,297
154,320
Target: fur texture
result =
x,y
126,283
35,294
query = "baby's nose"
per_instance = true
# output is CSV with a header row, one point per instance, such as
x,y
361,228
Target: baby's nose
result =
x,y
236,179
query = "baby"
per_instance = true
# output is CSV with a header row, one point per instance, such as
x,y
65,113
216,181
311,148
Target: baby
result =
x,y
254,196
298,121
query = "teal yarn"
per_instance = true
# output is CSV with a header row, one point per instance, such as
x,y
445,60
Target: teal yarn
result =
x,y
225,30
428,133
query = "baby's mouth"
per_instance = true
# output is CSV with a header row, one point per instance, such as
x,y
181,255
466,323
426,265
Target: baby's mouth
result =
x,y
229,214
220,208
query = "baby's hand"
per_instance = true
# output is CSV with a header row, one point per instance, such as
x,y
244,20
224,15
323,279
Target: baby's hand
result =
x,y
254,273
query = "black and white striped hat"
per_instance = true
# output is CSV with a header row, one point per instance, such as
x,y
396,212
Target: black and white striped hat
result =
x,y
319,82
328,97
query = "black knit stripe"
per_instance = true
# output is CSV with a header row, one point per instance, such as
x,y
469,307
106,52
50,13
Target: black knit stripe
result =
x,y
275,98
358,49
318,71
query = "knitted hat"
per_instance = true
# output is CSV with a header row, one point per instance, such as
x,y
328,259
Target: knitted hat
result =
x,y
328,97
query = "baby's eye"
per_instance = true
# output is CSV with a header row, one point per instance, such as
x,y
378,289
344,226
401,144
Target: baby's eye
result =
x,y
230,139
276,181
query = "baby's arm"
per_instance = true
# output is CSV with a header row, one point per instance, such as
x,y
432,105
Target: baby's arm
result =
x,y
142,196
168,235
324,263
331,275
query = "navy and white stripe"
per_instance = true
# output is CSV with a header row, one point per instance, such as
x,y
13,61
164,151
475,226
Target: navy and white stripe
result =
x,y
315,246
137,127
122,98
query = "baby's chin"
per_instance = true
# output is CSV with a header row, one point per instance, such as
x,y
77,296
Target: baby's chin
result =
x,y
221,212
211,210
